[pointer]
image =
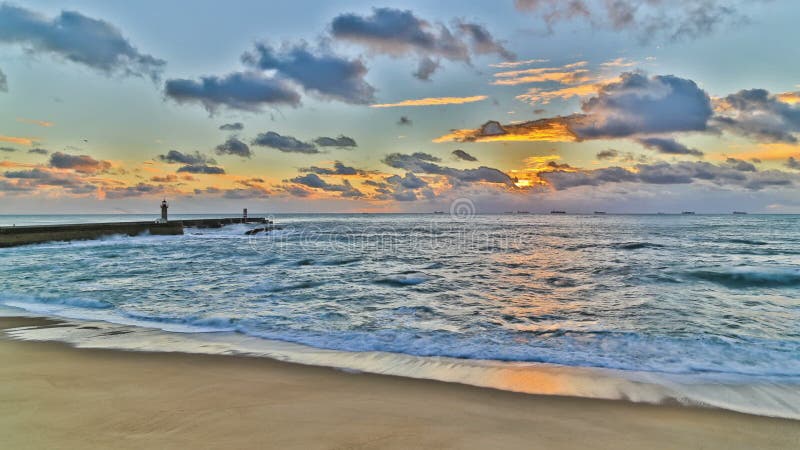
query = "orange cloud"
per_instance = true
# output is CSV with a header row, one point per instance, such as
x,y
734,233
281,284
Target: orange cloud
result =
x,y
568,74
17,140
432,101
558,77
551,130
789,97
41,123
510,64
770,152
537,95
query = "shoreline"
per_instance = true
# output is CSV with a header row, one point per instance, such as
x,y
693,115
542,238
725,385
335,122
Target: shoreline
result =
x,y
65,397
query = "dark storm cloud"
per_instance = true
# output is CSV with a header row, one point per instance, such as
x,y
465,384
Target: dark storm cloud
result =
x,y
234,146
338,169
248,91
38,151
728,174
425,163
757,114
287,144
464,156
340,142
235,126
202,169
669,146
646,19
320,71
72,36
398,33
313,180
79,163
176,157
641,105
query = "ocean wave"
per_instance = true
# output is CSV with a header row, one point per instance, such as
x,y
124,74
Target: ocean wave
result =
x,y
743,277
404,280
60,301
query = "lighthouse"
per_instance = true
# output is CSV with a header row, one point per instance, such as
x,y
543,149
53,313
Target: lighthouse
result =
x,y
164,207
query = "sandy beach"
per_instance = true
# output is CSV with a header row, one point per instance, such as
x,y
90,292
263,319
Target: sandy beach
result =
x,y
55,396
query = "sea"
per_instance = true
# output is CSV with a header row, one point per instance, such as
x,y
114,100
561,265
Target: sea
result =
x,y
691,309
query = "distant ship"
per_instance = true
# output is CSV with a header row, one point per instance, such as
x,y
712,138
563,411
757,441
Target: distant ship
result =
x,y
438,212
688,213
509,212
740,212
600,212
523,212
557,212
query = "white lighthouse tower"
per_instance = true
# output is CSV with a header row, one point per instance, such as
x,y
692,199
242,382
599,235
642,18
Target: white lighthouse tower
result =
x,y
164,206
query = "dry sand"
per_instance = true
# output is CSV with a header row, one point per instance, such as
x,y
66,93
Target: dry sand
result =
x,y
56,397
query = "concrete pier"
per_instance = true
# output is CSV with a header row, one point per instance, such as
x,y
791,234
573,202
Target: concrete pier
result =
x,y
23,235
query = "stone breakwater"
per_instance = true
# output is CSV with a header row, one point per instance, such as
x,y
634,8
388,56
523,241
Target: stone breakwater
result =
x,y
24,235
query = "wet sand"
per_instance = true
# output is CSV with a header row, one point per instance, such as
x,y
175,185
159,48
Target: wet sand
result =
x,y
55,396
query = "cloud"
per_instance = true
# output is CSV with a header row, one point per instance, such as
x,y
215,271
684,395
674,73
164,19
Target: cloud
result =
x,y
176,157
641,105
138,190
287,144
568,74
169,178
38,151
340,142
398,33
247,91
408,181
201,169
728,174
3,82
432,101
550,129
79,163
235,126
77,38
607,154
234,146
7,149
319,71
313,180
425,68
16,140
741,165
668,146
404,121
758,114
41,177
464,156
338,169
646,19
793,163
41,123
483,42
634,105
427,164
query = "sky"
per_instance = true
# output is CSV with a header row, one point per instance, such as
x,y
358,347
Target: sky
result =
x,y
630,106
